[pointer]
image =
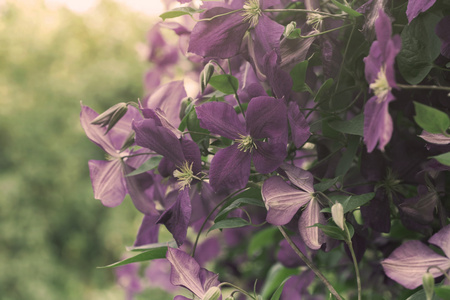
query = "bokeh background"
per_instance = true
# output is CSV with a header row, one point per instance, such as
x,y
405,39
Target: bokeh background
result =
x,y
53,233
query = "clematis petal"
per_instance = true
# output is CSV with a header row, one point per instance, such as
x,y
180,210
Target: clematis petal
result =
x,y
136,186
299,126
278,79
377,122
192,154
299,177
108,181
94,132
442,240
159,139
383,30
176,217
296,287
266,37
220,37
230,169
148,231
185,271
415,7
282,201
220,118
266,118
313,236
410,261
267,157
287,255
435,138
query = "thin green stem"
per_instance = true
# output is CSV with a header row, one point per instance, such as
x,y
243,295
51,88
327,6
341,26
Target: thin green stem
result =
x,y
323,32
423,87
310,264
348,240
236,287
343,58
442,271
221,15
305,11
209,215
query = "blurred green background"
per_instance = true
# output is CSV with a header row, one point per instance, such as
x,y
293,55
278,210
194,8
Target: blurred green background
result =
x,y
53,233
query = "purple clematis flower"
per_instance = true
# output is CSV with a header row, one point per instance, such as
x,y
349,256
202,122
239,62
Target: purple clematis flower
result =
x,y
415,7
108,178
186,272
381,76
283,201
409,262
263,140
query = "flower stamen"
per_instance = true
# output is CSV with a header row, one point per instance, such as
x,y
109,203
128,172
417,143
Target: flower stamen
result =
x,y
380,86
246,143
185,175
252,11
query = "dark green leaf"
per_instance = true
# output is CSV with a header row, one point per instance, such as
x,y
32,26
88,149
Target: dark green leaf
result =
x,y
277,294
144,256
325,184
294,34
193,125
225,83
443,158
431,119
148,165
420,295
351,202
349,154
420,47
298,75
346,9
180,11
229,223
354,126
443,291
324,89
277,274
332,231
183,122
238,203
261,239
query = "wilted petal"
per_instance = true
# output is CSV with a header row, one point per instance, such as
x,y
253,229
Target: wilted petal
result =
x,y
266,118
442,240
299,127
108,181
299,177
410,261
282,201
220,37
313,236
185,271
220,118
415,7
176,217
230,169
159,139
435,138
148,232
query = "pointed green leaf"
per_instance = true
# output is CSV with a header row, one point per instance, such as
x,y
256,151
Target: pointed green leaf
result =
x,y
443,158
298,75
225,83
349,154
180,11
148,165
144,256
229,223
354,126
276,276
346,9
431,119
324,89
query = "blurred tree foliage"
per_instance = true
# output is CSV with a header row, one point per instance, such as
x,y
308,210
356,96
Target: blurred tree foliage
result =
x,y
52,231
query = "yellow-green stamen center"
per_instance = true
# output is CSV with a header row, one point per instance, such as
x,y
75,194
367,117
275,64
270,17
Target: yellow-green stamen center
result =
x,y
252,11
246,143
381,86
185,175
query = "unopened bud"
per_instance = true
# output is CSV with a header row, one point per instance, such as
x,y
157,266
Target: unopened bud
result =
x,y
428,285
206,75
337,212
111,116
128,142
289,28
213,293
184,105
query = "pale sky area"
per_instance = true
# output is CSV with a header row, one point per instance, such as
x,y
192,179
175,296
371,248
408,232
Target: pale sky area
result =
x,y
149,7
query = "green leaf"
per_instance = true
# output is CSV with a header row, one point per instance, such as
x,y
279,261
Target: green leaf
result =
x,y
144,256
148,165
252,196
275,277
351,202
346,9
443,291
262,239
193,125
225,83
325,184
229,223
420,295
183,122
447,65
354,126
333,231
277,294
294,34
349,154
443,158
180,11
298,75
431,119
420,47
324,89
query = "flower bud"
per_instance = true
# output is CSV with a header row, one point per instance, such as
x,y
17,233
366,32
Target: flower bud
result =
x,y
289,28
206,75
128,142
185,103
337,212
111,116
428,285
212,294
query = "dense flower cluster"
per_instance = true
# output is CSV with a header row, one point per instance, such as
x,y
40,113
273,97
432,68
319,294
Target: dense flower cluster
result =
x,y
292,145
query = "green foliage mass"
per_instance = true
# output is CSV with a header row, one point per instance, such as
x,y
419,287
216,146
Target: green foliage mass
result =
x,y
52,231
